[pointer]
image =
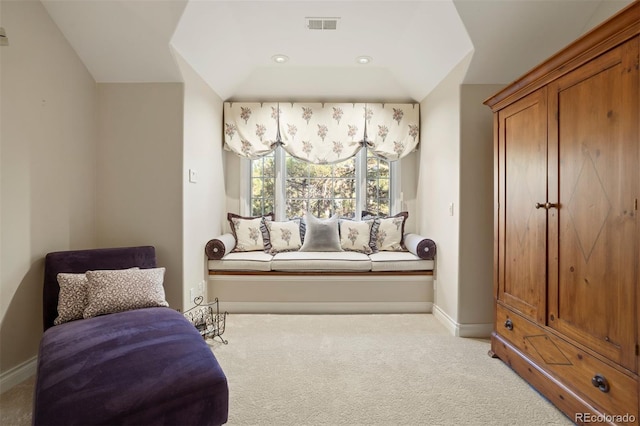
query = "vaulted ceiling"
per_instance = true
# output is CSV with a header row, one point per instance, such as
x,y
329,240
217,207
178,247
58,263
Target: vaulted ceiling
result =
x,y
413,44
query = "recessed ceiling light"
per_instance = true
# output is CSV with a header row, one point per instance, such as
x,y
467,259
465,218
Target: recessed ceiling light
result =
x,y
364,59
280,59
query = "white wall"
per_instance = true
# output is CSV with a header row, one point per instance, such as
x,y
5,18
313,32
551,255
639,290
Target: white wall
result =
x,y
475,301
48,177
439,185
203,201
140,176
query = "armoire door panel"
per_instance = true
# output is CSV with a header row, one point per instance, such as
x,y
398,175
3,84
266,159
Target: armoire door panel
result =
x,y
522,183
593,235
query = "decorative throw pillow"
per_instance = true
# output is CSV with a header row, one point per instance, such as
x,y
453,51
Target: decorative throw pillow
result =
x,y
321,234
356,236
72,298
389,236
246,231
123,290
282,236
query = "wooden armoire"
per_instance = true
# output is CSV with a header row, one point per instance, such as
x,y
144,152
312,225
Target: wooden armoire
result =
x,y
567,233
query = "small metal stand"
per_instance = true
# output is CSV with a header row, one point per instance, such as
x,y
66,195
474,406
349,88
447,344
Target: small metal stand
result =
x,y
209,322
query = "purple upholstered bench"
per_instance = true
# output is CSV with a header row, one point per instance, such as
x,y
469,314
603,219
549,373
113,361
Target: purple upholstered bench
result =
x,y
141,367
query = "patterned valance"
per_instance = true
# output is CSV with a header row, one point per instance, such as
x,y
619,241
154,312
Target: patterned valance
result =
x,y
251,129
321,133
393,130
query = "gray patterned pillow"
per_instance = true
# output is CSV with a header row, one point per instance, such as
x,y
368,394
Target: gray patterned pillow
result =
x,y
72,298
117,291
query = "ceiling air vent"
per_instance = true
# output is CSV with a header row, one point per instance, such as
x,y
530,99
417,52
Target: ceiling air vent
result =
x,y
322,23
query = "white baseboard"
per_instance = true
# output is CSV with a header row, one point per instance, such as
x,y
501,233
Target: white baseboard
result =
x,y
326,307
18,374
462,330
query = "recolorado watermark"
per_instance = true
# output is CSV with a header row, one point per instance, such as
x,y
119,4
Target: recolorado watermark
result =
x,y
604,418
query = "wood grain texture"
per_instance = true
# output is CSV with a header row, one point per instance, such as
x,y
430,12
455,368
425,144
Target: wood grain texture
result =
x,y
593,287
568,134
522,183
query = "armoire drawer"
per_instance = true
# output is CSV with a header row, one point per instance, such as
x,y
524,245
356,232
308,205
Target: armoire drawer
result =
x,y
610,390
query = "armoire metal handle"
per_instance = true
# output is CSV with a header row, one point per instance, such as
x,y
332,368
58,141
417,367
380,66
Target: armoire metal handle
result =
x,y
600,382
508,324
546,205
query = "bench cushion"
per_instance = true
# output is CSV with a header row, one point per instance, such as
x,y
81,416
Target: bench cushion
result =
x,y
398,261
146,366
321,261
243,261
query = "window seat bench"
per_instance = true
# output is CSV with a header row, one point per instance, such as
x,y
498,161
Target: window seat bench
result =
x,y
322,282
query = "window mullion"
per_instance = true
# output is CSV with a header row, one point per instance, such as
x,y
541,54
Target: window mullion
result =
x,y
245,187
394,188
361,182
280,183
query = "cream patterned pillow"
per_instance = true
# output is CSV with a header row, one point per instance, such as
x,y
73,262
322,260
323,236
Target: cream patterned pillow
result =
x,y
247,231
284,236
356,236
391,232
72,298
123,290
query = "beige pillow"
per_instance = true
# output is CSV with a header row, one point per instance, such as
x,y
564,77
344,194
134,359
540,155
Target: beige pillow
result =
x,y
390,232
284,236
123,290
247,231
72,299
356,236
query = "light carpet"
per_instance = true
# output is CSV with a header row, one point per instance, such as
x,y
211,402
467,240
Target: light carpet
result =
x,y
356,370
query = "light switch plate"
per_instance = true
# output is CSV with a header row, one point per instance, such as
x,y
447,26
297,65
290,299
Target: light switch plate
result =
x,y
193,176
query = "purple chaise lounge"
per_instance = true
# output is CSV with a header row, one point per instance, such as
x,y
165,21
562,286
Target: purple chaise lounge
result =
x,y
145,366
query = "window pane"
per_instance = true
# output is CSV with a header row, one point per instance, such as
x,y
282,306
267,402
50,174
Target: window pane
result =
x,y
383,166
372,190
346,169
344,208
269,188
378,184
321,188
256,168
345,188
320,170
383,189
269,166
372,207
320,208
296,188
256,187
256,207
296,168
372,167
262,192
296,208
384,208
269,206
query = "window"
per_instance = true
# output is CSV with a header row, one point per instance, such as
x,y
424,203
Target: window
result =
x,y
361,183
263,183
378,185
322,189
